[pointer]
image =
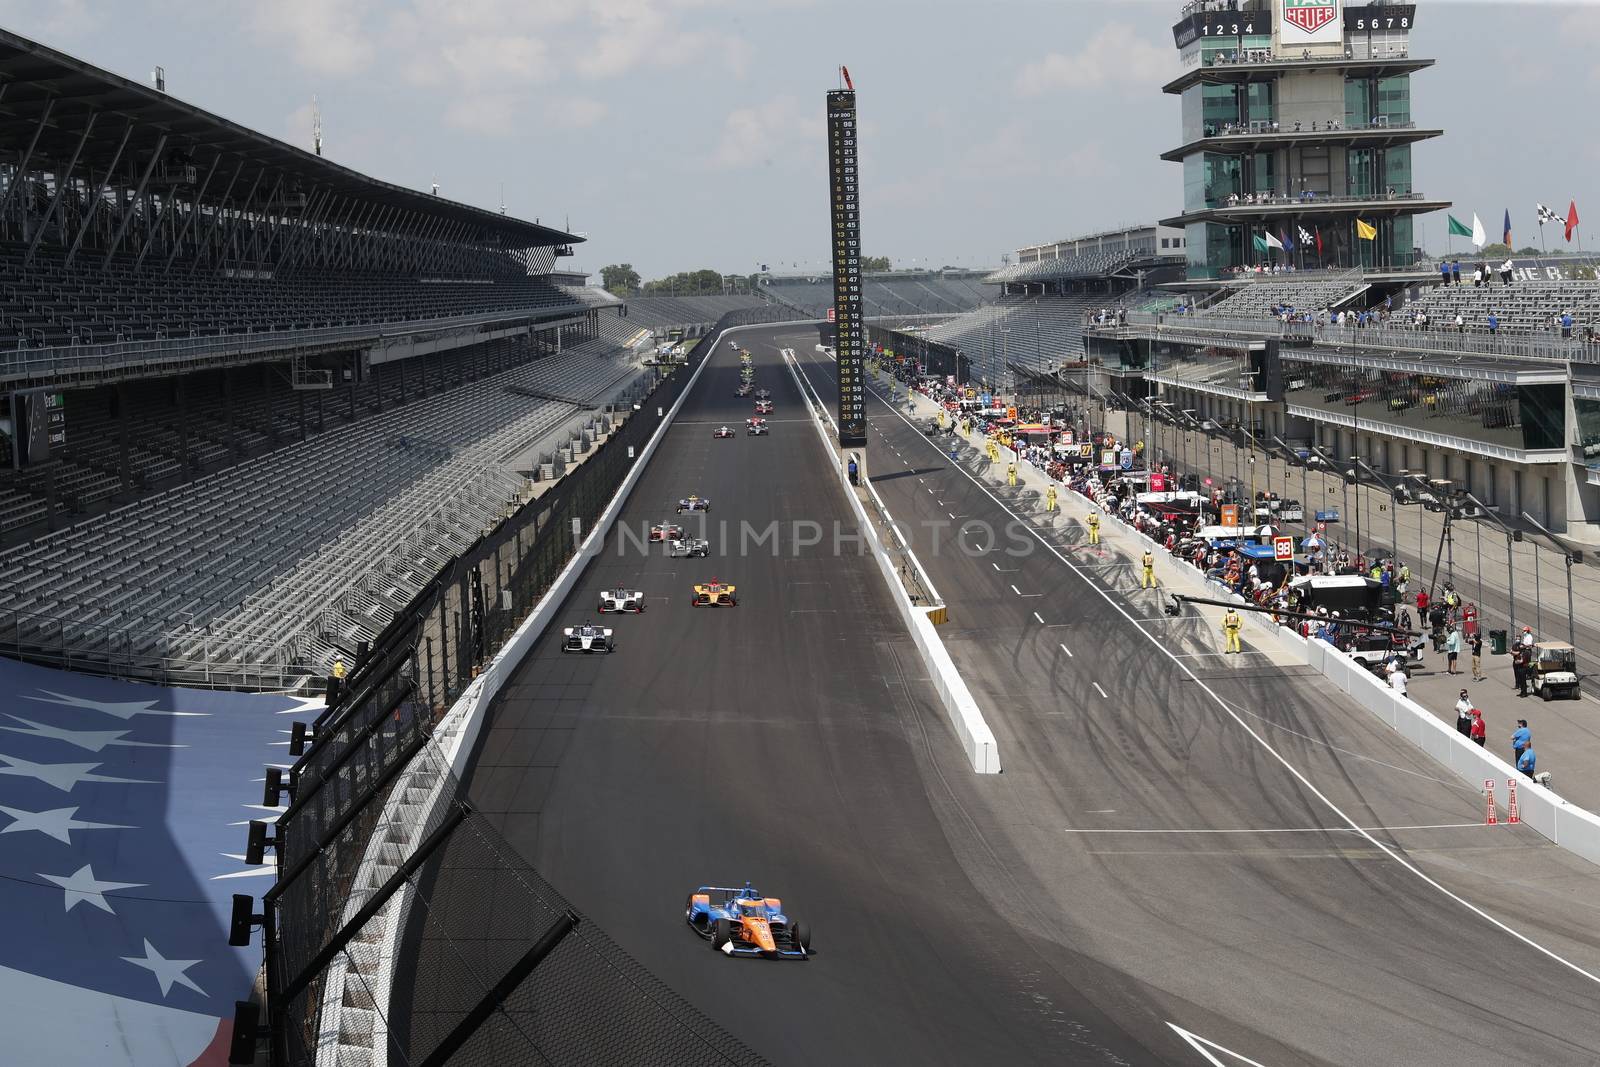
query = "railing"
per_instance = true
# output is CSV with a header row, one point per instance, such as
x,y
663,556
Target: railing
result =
x,y
1390,338
1258,127
1307,199
1251,56
68,360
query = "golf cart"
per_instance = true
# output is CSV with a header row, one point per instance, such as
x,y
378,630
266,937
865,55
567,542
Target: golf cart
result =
x,y
1555,670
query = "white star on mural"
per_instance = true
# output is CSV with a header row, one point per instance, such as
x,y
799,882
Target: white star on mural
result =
x,y
121,709
57,823
166,971
83,888
92,740
64,776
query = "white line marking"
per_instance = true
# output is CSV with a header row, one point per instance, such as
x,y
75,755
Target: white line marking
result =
x,y
951,514
1102,811
1202,655
1404,863
1067,650
1282,830
1097,689
1196,1041
1037,616
1015,590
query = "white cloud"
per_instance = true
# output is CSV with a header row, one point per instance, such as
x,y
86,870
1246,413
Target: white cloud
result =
x,y
1115,55
574,112
492,114
754,135
325,36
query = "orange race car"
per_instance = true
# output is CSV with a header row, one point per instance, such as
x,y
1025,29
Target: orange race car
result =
x,y
714,594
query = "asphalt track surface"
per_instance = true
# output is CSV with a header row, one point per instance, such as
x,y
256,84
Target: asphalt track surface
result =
x,y
794,741
1152,832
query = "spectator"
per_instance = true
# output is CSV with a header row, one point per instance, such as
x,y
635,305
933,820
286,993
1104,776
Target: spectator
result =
x,y
1444,272
1527,761
1527,640
1461,323
1494,324
1505,273
1452,649
1422,601
1521,738
1464,713
1455,272
1566,324
1478,731
1519,670
1397,678
1475,643
1477,278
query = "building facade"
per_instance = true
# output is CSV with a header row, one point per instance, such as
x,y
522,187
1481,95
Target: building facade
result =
x,y
1297,135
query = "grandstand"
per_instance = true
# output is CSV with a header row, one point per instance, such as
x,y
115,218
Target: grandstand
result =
x,y
271,395
1526,307
890,293
1308,292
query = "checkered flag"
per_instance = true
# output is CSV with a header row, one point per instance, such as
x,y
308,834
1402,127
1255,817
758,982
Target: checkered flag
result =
x,y
1305,238
1546,215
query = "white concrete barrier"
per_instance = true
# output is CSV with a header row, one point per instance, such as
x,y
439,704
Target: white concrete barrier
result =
x,y
966,718
1568,825
419,789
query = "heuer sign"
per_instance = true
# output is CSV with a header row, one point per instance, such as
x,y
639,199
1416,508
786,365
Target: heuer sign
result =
x,y
1310,22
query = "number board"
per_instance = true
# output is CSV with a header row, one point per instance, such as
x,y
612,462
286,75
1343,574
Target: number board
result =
x,y
1221,24
1380,18
845,203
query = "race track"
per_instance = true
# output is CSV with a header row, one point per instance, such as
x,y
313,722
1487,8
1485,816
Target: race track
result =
x,y
1147,861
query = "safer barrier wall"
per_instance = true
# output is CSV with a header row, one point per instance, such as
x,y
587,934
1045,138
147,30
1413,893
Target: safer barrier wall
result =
x,y
421,784
977,740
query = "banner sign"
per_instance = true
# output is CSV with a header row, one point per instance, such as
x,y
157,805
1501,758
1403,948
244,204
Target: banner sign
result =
x,y
1306,22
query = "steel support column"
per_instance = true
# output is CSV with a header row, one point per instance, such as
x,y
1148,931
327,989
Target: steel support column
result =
x,y
62,181
138,194
27,157
199,198
94,204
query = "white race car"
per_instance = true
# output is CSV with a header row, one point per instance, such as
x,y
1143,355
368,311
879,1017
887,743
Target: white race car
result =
x,y
693,547
629,601
758,428
587,638
696,503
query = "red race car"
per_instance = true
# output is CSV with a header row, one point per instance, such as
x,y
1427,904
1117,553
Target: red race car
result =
x,y
666,531
721,431
763,407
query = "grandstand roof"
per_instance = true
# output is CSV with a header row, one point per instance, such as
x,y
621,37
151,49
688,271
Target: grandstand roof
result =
x,y
34,78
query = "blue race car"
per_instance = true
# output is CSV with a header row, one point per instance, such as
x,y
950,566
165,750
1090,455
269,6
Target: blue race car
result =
x,y
742,922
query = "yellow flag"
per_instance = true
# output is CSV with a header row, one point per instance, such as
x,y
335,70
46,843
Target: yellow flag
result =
x,y
1366,232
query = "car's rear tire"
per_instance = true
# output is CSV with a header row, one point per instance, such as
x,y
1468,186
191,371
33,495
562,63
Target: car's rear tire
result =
x,y
1544,693
721,933
801,934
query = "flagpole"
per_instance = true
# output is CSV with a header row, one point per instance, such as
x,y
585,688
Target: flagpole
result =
x,y
1542,245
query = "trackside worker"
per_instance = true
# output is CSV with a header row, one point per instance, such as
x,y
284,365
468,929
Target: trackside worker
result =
x,y
1050,499
1231,622
1093,522
1011,474
338,668
1148,579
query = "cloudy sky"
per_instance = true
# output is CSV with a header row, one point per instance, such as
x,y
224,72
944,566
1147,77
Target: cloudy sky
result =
x,y
688,133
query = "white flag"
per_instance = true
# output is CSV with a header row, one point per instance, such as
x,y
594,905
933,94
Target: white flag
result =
x,y
1273,242
1479,238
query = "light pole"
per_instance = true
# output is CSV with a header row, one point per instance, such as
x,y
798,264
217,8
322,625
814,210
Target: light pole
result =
x,y
1305,493
1570,556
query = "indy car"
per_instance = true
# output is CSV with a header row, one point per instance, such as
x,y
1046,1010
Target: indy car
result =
x,y
697,503
691,548
742,922
714,594
763,407
744,356
719,433
763,394
587,638
743,390
629,601
758,428
666,531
